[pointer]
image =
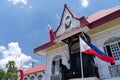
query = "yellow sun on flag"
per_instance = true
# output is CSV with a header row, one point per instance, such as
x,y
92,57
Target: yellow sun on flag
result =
x,y
86,46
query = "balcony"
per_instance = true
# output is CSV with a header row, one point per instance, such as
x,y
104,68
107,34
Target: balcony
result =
x,y
75,73
67,74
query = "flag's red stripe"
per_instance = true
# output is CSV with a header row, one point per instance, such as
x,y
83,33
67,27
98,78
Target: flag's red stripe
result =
x,y
104,58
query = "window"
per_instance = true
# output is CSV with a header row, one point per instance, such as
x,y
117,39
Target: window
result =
x,y
32,78
115,49
112,47
39,77
57,61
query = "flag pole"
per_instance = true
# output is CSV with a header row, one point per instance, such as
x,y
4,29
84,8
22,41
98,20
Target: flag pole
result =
x,y
81,61
83,35
82,74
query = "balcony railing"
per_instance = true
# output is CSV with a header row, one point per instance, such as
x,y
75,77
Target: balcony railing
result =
x,y
70,74
56,77
114,70
74,73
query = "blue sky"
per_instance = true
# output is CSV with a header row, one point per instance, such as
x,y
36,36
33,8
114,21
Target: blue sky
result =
x,y
23,25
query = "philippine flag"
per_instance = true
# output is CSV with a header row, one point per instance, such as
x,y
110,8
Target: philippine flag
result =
x,y
88,48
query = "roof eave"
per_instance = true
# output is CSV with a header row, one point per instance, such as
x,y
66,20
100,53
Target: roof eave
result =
x,y
104,19
42,50
34,72
71,32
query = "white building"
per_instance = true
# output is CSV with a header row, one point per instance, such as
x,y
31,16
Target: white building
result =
x,y
63,54
35,73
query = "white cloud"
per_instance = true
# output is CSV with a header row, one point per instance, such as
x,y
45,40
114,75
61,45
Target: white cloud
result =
x,y
84,3
13,52
14,2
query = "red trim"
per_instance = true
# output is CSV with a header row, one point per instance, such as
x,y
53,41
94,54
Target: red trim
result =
x,y
105,19
53,43
83,21
43,46
65,7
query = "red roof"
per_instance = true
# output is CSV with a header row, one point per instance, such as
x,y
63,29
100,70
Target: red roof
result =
x,y
35,69
102,13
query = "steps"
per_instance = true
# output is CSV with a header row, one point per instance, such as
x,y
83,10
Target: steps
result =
x,y
118,78
94,78
90,78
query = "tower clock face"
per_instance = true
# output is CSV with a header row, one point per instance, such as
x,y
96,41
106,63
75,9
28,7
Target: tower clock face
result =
x,y
68,22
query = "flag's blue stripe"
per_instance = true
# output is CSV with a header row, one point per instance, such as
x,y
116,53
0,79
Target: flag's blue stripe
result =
x,y
95,48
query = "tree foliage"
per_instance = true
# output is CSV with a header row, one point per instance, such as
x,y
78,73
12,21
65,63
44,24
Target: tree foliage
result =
x,y
12,72
2,74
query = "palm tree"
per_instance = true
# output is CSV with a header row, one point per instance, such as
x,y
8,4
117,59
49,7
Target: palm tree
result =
x,y
10,64
12,70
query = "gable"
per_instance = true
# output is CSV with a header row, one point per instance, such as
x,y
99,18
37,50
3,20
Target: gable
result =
x,y
74,26
68,22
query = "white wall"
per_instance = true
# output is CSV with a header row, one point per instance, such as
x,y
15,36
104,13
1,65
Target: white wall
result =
x,y
98,39
35,76
75,22
64,52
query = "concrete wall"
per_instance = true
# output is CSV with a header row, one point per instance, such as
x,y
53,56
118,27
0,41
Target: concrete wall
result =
x,y
98,39
90,78
35,75
62,51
